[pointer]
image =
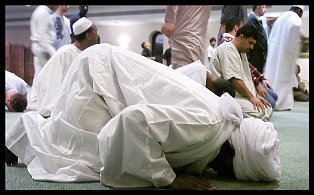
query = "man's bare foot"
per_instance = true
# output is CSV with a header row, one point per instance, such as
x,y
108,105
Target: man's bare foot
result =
x,y
188,182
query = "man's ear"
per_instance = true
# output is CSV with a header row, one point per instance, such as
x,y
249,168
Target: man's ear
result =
x,y
236,27
7,100
88,35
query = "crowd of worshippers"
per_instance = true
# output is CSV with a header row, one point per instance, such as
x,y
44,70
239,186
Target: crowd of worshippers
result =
x,y
182,118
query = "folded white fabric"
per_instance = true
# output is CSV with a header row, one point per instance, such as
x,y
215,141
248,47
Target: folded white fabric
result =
x,y
196,71
255,142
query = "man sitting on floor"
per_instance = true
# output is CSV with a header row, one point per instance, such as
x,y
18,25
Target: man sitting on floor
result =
x,y
230,62
300,92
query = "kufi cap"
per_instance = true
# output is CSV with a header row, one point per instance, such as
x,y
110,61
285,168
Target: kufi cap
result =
x,y
299,6
81,25
272,15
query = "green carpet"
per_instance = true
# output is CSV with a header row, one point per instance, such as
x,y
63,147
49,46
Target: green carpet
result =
x,y
293,128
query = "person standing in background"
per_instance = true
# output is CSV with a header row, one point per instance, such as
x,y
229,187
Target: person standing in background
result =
x,y
41,38
283,50
83,12
228,11
211,47
187,45
61,26
231,28
257,56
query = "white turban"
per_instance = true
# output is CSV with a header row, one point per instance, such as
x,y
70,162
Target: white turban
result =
x,y
81,25
255,142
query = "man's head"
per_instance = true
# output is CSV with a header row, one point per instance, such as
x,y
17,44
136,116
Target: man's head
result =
x,y
259,10
63,8
145,44
16,102
212,41
52,7
85,30
83,10
245,38
298,9
233,24
223,163
221,86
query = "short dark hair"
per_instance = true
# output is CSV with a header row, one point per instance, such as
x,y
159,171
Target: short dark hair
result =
x,y
221,86
248,30
231,22
18,102
143,45
212,39
297,10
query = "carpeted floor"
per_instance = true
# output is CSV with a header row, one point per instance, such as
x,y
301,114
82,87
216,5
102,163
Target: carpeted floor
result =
x,y
293,128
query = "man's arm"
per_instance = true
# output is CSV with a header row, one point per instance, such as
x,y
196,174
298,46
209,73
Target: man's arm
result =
x,y
244,91
169,26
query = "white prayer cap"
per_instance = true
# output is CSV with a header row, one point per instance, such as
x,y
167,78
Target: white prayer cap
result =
x,y
299,6
272,15
81,25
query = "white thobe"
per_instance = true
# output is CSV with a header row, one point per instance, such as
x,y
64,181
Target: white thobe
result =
x,y
49,79
283,50
104,81
125,117
42,37
228,63
196,71
61,26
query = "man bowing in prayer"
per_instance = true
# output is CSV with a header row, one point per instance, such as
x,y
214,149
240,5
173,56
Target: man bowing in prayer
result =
x,y
127,121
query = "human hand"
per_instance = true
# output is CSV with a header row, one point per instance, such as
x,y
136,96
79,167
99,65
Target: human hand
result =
x,y
188,182
267,84
261,90
168,28
259,103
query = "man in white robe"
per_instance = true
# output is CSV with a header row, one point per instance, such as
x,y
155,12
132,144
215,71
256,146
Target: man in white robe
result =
x,y
49,79
41,36
230,62
122,121
284,47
